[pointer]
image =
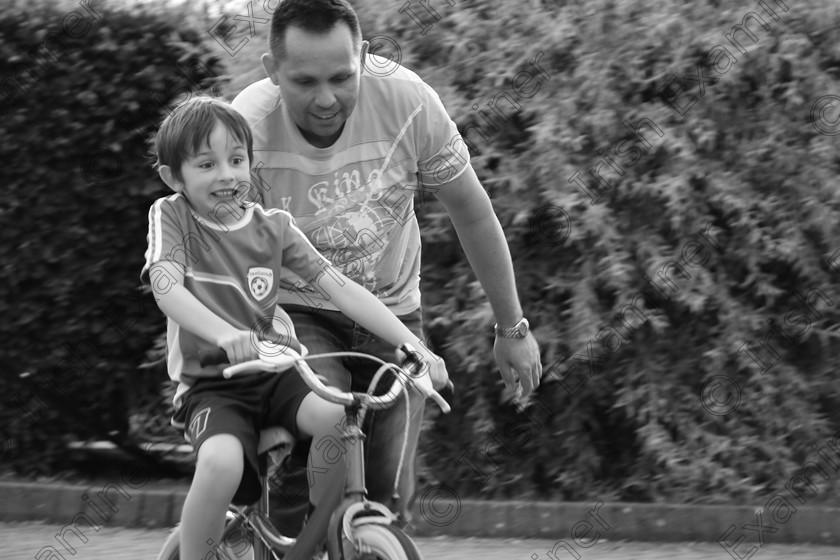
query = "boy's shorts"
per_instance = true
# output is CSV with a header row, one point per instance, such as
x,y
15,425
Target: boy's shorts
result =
x,y
242,406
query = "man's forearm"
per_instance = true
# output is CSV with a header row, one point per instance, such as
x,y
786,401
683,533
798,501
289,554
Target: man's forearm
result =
x,y
487,251
486,248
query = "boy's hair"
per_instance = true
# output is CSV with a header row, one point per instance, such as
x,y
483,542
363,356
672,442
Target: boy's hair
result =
x,y
314,16
186,130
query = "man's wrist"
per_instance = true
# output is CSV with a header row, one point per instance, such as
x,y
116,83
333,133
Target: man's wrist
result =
x,y
520,329
507,315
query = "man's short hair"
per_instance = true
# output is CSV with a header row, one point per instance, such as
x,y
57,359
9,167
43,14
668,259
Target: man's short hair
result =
x,y
314,16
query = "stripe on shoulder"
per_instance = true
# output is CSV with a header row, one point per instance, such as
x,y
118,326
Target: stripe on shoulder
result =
x,y
272,211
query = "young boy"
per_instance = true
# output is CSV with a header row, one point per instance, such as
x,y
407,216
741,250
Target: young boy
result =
x,y
213,262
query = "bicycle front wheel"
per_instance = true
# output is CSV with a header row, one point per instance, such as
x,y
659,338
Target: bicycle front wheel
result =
x,y
236,543
383,542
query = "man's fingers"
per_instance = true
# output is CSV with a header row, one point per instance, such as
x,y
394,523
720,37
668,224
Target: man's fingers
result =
x,y
526,384
508,376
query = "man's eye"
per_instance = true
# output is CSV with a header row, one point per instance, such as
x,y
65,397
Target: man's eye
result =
x,y
342,78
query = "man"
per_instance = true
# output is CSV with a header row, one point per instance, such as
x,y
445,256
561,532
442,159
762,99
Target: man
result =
x,y
344,150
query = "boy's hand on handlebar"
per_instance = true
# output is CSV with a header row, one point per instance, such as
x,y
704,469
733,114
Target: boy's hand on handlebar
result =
x,y
428,367
238,346
436,368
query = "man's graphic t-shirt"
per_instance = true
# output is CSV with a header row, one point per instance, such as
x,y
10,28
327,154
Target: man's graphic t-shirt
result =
x,y
355,199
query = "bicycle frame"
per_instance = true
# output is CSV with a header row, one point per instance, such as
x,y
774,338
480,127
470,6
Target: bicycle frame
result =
x,y
345,504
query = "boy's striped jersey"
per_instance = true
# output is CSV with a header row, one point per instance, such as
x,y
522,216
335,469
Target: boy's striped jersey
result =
x,y
234,271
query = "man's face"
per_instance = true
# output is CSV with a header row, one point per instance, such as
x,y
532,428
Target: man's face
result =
x,y
319,80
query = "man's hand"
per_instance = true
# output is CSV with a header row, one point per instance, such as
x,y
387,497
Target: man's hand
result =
x,y
238,346
519,361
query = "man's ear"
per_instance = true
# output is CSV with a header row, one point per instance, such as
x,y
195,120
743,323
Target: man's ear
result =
x,y
269,64
363,52
168,177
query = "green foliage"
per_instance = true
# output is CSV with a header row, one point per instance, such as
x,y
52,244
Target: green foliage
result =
x,y
744,160
78,102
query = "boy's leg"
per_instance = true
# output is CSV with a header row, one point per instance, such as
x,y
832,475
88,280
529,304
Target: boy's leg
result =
x,y
290,492
220,425
218,470
322,421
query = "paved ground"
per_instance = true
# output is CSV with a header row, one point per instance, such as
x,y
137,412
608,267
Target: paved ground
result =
x,y
23,541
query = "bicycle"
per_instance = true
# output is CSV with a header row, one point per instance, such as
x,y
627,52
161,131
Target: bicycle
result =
x,y
355,527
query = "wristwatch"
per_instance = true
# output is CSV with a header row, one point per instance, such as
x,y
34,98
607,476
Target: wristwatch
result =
x,y
519,330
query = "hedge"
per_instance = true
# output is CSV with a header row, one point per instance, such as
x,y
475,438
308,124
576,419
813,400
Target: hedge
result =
x,y
681,283
655,388
82,86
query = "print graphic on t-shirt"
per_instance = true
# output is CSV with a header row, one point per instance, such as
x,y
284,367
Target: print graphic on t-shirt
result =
x,y
260,281
353,229
354,220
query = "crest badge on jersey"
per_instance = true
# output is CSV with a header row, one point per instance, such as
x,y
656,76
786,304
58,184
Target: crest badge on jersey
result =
x,y
260,281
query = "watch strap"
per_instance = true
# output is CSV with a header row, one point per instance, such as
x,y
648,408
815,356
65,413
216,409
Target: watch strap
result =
x,y
516,331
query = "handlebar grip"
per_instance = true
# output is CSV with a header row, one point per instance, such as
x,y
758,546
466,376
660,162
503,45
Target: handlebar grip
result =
x,y
272,339
441,402
264,363
252,365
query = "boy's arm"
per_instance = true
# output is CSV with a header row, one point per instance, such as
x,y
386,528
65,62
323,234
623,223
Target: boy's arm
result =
x,y
364,308
185,309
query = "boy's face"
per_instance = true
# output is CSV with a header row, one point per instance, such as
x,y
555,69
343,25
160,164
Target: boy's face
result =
x,y
215,179
319,80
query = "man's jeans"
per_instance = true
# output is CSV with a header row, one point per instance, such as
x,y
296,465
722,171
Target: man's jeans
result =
x,y
331,331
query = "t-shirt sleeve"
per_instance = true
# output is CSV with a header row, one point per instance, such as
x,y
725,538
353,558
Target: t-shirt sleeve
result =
x,y
167,240
248,102
256,101
442,153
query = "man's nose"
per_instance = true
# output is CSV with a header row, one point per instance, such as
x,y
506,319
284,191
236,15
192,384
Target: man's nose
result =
x,y
325,98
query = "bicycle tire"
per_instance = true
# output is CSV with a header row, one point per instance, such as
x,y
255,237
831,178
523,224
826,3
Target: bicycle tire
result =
x,y
383,542
171,549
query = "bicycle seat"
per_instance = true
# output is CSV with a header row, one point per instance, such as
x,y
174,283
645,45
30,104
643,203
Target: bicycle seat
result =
x,y
273,437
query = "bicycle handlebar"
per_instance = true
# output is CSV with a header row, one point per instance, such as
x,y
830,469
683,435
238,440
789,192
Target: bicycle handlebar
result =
x,y
289,358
